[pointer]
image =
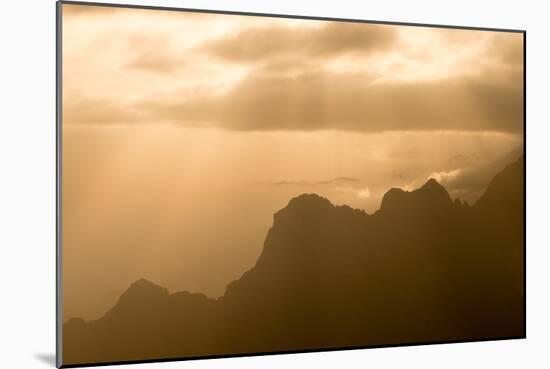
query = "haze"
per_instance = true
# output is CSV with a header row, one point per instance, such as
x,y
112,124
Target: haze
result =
x,y
184,132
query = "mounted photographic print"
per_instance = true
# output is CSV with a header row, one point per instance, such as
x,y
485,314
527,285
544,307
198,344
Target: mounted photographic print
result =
x,y
238,184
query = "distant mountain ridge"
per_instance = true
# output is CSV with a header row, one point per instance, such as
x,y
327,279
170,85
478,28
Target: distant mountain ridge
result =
x,y
423,268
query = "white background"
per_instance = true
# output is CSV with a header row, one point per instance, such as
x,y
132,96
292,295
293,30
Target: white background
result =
x,y
27,183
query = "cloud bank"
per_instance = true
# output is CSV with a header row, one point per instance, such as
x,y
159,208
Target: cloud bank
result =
x,y
241,73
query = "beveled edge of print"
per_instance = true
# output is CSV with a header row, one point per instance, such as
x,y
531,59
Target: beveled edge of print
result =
x,y
59,300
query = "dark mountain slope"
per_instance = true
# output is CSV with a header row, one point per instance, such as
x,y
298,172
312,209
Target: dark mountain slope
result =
x,y
421,269
146,322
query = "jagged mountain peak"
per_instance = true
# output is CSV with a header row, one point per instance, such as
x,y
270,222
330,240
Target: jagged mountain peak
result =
x,y
142,289
432,185
431,195
304,205
143,283
309,200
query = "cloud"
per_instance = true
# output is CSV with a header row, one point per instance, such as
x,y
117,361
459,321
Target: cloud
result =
x,y
156,52
333,181
508,50
346,101
364,193
156,62
89,10
259,44
336,187
469,182
278,47
285,75
446,176
82,109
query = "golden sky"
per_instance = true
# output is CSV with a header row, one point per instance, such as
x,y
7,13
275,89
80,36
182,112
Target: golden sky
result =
x,y
184,132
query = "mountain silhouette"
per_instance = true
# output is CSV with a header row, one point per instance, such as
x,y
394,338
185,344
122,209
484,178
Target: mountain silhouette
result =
x,y
431,195
423,268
